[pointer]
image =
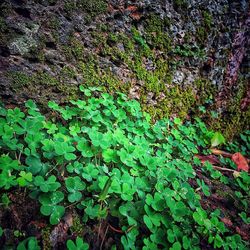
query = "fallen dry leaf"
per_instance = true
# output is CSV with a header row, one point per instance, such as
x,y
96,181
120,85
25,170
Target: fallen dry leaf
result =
x,y
211,158
240,161
227,221
242,233
136,16
132,8
220,152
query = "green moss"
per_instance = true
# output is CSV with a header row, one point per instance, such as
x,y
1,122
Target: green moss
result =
x,y
5,9
44,79
201,34
168,99
186,50
19,79
90,72
113,38
159,40
156,35
233,120
188,37
93,7
70,7
180,4
67,72
46,238
77,227
236,120
128,43
93,75
120,56
68,91
99,39
154,23
40,56
173,99
207,19
205,90
53,23
102,27
113,84
22,80
139,38
204,30
37,53
73,51
3,26
154,84
180,100
77,49
155,81
176,102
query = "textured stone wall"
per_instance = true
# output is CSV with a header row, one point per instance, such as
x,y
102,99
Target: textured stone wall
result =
x,y
170,55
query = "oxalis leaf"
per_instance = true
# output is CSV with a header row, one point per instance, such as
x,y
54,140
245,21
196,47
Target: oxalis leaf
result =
x,y
109,155
50,208
140,170
45,186
85,149
34,164
78,245
74,185
63,148
24,178
217,139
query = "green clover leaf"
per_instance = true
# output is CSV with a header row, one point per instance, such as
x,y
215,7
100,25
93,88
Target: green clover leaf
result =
x,y
63,148
50,206
74,185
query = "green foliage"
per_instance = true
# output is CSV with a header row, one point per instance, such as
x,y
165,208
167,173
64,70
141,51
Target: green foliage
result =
x,y
139,39
7,166
242,144
104,155
187,50
207,19
49,185
29,244
19,78
92,8
24,178
5,201
156,34
50,206
217,139
3,26
74,185
79,245
180,4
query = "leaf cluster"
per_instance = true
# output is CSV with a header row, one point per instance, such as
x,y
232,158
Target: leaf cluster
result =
x,y
105,156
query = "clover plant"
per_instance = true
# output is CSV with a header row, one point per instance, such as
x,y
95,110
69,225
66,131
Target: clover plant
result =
x,y
74,185
78,245
104,156
50,206
29,243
